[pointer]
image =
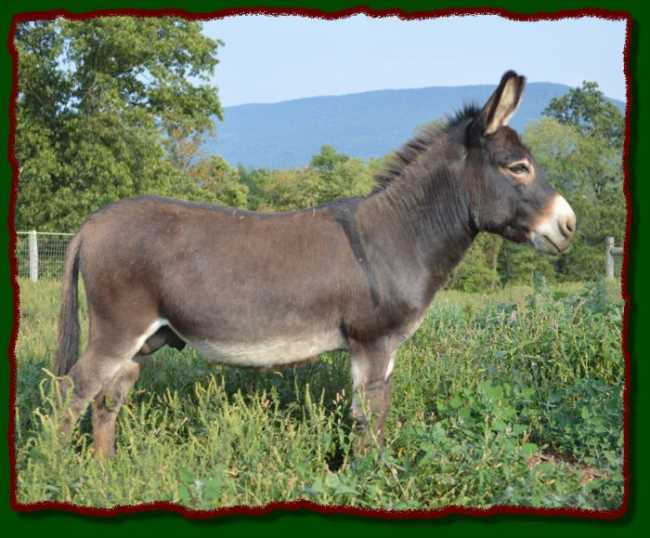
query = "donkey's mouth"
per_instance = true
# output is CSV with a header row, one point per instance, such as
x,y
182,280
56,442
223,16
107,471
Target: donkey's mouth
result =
x,y
544,243
552,243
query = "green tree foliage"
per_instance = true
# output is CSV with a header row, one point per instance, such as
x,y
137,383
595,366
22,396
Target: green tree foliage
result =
x,y
519,264
340,175
216,177
478,269
588,110
287,190
329,176
102,106
256,181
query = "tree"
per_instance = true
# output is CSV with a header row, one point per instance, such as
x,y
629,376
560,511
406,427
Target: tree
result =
x,y
588,110
103,108
256,181
223,182
517,264
594,169
327,160
478,269
340,175
287,190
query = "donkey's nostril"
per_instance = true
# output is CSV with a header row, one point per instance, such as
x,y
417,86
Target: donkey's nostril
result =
x,y
568,225
572,222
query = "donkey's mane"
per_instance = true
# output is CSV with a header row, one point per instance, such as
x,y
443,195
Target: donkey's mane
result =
x,y
419,144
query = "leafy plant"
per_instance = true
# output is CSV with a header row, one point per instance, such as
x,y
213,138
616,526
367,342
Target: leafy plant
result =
x,y
512,398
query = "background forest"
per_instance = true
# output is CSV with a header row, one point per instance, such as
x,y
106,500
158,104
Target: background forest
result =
x,y
115,107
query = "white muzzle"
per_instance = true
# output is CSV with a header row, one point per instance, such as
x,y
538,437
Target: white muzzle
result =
x,y
553,232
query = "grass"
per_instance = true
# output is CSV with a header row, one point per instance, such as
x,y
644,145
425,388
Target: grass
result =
x,y
512,398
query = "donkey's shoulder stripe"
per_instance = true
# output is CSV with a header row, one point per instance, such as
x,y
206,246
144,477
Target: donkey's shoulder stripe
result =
x,y
344,214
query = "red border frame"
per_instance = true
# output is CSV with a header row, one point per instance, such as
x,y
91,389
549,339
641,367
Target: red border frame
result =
x,y
303,504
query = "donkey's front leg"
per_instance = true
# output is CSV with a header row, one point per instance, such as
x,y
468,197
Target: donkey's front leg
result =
x,y
372,367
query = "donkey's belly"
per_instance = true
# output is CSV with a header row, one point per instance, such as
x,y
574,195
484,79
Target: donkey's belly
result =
x,y
267,353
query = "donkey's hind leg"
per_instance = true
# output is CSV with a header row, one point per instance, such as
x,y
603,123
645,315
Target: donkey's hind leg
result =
x,y
106,355
106,407
87,378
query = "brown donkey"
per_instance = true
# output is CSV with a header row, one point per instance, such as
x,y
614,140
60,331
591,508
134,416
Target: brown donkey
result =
x,y
264,290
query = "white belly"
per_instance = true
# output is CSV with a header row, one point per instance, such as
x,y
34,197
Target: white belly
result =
x,y
271,352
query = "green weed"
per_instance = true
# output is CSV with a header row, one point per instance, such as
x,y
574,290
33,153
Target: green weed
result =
x,y
512,398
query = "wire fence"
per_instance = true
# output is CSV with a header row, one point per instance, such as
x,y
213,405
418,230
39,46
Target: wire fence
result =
x,y
41,255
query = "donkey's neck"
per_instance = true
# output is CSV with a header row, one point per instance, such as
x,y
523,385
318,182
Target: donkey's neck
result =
x,y
426,220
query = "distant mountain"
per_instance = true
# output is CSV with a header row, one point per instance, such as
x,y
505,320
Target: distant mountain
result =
x,y
369,124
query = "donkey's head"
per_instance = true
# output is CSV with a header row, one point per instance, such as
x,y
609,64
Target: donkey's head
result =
x,y
509,193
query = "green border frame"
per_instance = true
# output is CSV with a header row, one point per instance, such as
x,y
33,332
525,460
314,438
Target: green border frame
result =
x,y
303,521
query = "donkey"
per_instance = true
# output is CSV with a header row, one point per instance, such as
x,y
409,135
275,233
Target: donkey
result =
x,y
266,290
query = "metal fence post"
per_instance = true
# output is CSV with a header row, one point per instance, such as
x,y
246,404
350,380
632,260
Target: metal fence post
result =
x,y
33,256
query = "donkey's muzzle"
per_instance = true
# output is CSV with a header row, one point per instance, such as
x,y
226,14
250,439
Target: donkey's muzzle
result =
x,y
553,231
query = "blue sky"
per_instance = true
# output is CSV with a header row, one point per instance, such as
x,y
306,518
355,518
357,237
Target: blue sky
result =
x,y
269,59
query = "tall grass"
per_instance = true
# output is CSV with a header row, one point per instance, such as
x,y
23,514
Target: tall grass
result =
x,y
513,398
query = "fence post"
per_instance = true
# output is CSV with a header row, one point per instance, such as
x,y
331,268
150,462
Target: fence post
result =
x,y
33,256
609,258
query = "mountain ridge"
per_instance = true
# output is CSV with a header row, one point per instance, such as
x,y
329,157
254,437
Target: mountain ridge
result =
x,y
287,134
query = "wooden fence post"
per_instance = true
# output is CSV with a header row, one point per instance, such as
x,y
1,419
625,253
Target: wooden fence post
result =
x,y
33,256
610,251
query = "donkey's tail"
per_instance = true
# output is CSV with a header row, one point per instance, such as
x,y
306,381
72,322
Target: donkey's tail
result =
x,y
68,346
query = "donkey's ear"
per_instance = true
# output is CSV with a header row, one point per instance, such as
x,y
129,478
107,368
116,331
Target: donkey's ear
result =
x,y
503,103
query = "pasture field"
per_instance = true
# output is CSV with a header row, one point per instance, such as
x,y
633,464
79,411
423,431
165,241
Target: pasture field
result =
x,y
511,398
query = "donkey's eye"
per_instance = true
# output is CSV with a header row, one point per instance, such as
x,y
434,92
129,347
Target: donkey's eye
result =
x,y
519,168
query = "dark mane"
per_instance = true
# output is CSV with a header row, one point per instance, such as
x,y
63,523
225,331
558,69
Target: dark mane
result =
x,y
423,140
468,112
